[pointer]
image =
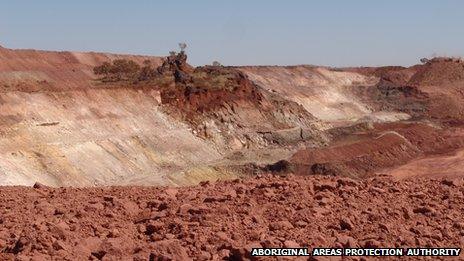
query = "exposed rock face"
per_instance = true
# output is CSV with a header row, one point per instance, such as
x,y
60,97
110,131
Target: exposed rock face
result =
x,y
224,105
225,220
60,127
174,63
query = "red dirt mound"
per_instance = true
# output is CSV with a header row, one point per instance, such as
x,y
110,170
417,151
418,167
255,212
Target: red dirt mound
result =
x,y
225,220
439,71
209,88
387,145
428,139
356,159
204,89
436,71
432,90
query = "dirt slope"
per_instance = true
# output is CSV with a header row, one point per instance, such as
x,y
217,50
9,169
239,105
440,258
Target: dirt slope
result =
x,y
441,166
224,220
380,149
59,127
34,70
432,90
330,95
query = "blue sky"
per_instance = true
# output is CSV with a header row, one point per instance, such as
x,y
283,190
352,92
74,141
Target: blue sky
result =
x,y
329,32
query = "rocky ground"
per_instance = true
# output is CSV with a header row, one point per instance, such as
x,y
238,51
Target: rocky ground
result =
x,y
224,220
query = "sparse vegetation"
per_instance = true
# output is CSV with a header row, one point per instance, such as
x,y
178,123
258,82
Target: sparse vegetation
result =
x,y
173,71
147,72
210,78
120,69
126,70
129,70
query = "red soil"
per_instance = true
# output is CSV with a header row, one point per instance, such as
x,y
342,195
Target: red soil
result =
x,y
386,146
356,159
224,220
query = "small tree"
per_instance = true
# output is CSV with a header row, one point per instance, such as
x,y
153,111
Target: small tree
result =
x,y
216,63
424,60
182,47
